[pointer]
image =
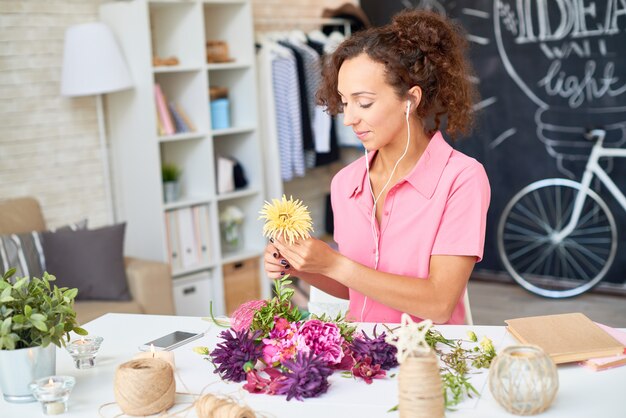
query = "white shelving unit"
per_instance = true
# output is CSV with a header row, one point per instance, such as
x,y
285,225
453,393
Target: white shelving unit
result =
x,y
147,28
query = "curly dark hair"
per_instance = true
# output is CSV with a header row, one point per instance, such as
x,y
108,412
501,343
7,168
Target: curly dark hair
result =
x,y
419,48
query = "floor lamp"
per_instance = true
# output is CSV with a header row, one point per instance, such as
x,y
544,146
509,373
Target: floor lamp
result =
x,y
93,65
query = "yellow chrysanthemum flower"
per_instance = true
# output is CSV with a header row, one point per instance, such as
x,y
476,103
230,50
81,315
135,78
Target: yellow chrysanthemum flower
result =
x,y
286,218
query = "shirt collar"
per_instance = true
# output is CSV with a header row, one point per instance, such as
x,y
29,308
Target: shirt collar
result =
x,y
425,175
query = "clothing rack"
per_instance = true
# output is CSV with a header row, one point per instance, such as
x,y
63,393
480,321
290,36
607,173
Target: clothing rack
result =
x,y
282,23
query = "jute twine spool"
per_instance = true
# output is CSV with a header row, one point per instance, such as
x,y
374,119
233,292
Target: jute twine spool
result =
x,y
144,386
523,379
420,391
211,406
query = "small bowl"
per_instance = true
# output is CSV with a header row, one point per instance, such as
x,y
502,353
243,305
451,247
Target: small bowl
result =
x,y
84,351
53,392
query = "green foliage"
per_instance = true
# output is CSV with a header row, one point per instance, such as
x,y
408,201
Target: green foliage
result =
x,y
454,361
170,172
279,306
456,364
34,313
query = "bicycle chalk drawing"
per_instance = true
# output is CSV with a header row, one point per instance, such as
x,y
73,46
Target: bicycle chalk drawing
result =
x,y
557,237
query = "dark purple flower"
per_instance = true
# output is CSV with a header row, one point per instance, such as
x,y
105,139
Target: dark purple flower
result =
x,y
368,371
377,348
236,349
304,377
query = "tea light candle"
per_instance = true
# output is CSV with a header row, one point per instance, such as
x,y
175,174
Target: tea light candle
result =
x,y
84,351
163,355
53,392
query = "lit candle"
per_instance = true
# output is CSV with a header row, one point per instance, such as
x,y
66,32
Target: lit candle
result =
x,y
55,408
84,351
53,392
163,355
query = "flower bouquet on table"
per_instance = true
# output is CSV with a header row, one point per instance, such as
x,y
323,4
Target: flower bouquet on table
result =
x,y
277,350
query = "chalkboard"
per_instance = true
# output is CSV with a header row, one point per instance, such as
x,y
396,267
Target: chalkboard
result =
x,y
546,70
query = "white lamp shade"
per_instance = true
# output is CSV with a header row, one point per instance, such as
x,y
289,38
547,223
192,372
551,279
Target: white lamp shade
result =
x,y
92,62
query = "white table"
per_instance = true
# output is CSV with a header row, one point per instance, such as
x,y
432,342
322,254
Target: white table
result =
x,y
582,392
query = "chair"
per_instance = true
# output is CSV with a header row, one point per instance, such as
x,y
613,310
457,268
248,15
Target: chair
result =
x,y
149,282
321,302
469,320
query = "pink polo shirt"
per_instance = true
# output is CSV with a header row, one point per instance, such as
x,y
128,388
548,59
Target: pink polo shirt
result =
x,y
440,208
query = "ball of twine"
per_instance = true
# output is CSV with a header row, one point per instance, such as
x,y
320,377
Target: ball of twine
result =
x,y
211,406
420,390
144,386
523,379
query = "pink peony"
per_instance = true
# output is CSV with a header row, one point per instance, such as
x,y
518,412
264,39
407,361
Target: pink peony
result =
x,y
283,342
323,339
242,318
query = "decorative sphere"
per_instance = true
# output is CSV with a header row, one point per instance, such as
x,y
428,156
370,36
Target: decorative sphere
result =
x,y
523,379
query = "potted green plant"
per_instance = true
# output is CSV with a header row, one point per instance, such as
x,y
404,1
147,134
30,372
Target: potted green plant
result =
x,y
35,316
170,174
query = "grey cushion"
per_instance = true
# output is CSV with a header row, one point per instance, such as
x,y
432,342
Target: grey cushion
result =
x,y
24,252
90,260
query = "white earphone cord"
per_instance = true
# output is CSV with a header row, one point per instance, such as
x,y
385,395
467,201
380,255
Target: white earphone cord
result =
x,y
373,217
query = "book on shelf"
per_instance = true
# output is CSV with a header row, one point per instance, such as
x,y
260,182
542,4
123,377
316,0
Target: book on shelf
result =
x,y
565,337
179,124
162,111
603,363
186,119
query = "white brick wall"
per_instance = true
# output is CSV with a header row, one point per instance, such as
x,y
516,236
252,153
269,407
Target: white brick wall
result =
x,y
49,144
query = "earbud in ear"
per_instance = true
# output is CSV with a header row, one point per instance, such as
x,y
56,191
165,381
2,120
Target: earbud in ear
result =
x,y
408,106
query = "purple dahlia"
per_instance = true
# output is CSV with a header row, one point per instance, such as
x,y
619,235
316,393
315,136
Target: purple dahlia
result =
x,y
377,348
236,349
305,377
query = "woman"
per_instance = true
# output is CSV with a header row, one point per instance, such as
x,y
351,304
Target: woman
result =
x,y
410,215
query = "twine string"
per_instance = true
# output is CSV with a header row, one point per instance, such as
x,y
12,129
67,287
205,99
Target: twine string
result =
x,y
420,391
147,386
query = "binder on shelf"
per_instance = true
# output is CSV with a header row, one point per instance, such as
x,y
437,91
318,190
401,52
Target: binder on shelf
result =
x,y
203,236
173,248
189,253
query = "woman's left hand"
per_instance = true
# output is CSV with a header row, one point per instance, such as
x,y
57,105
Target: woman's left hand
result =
x,y
310,255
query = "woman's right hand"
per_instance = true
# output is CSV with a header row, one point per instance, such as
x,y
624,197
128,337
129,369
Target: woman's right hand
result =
x,y
276,266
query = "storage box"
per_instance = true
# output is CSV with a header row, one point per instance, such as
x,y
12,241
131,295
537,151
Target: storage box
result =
x,y
241,283
193,294
220,114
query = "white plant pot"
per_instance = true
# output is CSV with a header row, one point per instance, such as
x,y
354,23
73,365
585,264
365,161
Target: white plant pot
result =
x,y
171,191
18,368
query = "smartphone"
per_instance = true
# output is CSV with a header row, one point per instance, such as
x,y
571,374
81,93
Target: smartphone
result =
x,y
171,341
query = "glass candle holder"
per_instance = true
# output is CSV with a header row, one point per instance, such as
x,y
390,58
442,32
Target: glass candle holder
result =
x,y
53,392
523,379
84,351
